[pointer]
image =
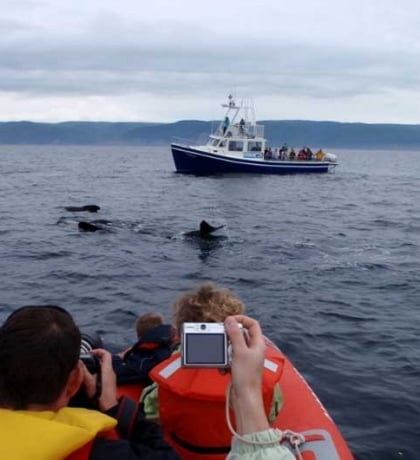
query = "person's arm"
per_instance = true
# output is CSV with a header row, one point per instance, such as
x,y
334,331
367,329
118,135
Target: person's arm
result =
x,y
256,441
247,368
139,438
122,354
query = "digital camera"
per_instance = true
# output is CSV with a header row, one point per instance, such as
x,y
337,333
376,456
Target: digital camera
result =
x,y
204,345
81,399
87,344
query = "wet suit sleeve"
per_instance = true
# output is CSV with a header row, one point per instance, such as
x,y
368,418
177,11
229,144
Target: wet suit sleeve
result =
x,y
140,439
150,401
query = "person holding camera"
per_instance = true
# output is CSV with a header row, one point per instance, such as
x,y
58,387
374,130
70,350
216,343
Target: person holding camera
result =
x,y
189,401
40,371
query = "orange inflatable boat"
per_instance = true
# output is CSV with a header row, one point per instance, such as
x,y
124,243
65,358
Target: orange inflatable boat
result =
x,y
310,432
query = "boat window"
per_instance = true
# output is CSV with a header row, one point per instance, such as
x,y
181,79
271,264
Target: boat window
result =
x,y
223,144
215,142
254,146
236,146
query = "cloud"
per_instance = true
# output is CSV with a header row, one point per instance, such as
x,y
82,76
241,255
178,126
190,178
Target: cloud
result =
x,y
320,51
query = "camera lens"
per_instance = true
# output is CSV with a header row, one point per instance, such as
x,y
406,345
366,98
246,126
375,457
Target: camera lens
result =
x,y
85,346
203,327
90,341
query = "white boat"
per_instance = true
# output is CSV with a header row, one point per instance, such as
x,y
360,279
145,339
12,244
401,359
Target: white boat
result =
x,y
238,145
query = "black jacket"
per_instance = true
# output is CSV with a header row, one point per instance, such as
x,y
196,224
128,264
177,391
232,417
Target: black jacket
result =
x,y
140,439
155,346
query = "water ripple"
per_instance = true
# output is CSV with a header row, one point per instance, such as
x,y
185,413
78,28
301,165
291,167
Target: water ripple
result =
x,y
329,264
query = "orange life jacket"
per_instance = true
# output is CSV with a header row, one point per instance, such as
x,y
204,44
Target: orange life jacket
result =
x,y
192,405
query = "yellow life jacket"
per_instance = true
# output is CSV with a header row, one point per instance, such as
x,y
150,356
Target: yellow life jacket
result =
x,y
47,435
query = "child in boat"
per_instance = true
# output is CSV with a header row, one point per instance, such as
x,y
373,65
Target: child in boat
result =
x,y
154,344
191,403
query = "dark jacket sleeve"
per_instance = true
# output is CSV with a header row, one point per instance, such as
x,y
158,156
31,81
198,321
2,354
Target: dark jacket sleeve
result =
x,y
107,449
140,439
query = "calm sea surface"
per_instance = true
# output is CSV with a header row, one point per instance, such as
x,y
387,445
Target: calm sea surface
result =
x,y
330,263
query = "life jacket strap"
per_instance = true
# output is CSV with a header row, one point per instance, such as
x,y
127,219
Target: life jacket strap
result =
x,y
126,416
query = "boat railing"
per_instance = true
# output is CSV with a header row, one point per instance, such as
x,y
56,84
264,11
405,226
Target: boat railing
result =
x,y
255,130
247,130
185,141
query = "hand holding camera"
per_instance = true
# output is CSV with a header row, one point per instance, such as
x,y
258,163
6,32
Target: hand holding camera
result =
x,y
237,343
248,354
206,345
107,396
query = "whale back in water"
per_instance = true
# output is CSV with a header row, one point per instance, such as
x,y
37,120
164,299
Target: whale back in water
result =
x,y
88,227
86,208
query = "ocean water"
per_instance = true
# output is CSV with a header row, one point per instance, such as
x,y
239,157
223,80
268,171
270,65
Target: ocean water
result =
x,y
329,264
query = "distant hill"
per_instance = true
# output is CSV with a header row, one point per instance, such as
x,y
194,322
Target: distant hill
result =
x,y
294,132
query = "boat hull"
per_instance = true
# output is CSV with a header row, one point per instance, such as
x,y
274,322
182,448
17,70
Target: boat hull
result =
x,y
189,160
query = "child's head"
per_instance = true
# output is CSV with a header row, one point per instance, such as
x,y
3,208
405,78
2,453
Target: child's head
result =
x,y
148,321
207,304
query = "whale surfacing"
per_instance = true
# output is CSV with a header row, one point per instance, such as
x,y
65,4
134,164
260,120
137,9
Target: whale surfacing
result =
x,y
205,230
86,208
88,227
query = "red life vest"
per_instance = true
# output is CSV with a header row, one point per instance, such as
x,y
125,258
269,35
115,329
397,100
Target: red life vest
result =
x,y
192,405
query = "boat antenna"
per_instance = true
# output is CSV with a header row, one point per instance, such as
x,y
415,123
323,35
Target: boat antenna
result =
x,y
231,104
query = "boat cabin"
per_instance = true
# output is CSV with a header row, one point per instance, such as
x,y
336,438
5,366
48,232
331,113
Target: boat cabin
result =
x,y
238,134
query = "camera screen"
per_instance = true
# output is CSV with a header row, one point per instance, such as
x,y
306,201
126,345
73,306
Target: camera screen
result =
x,y
205,349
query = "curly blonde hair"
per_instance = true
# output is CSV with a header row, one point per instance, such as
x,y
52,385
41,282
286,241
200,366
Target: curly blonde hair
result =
x,y
208,304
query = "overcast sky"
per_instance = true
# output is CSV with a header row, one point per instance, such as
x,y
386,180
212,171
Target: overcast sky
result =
x,y
166,60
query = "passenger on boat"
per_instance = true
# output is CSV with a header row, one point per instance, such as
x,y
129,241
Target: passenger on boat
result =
x,y
226,124
309,154
292,154
268,154
302,154
319,155
154,344
40,371
242,126
190,403
283,151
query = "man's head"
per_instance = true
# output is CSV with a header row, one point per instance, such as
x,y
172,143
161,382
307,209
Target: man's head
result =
x,y
148,321
207,304
39,350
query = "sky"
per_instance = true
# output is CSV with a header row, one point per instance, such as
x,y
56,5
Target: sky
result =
x,y
170,60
